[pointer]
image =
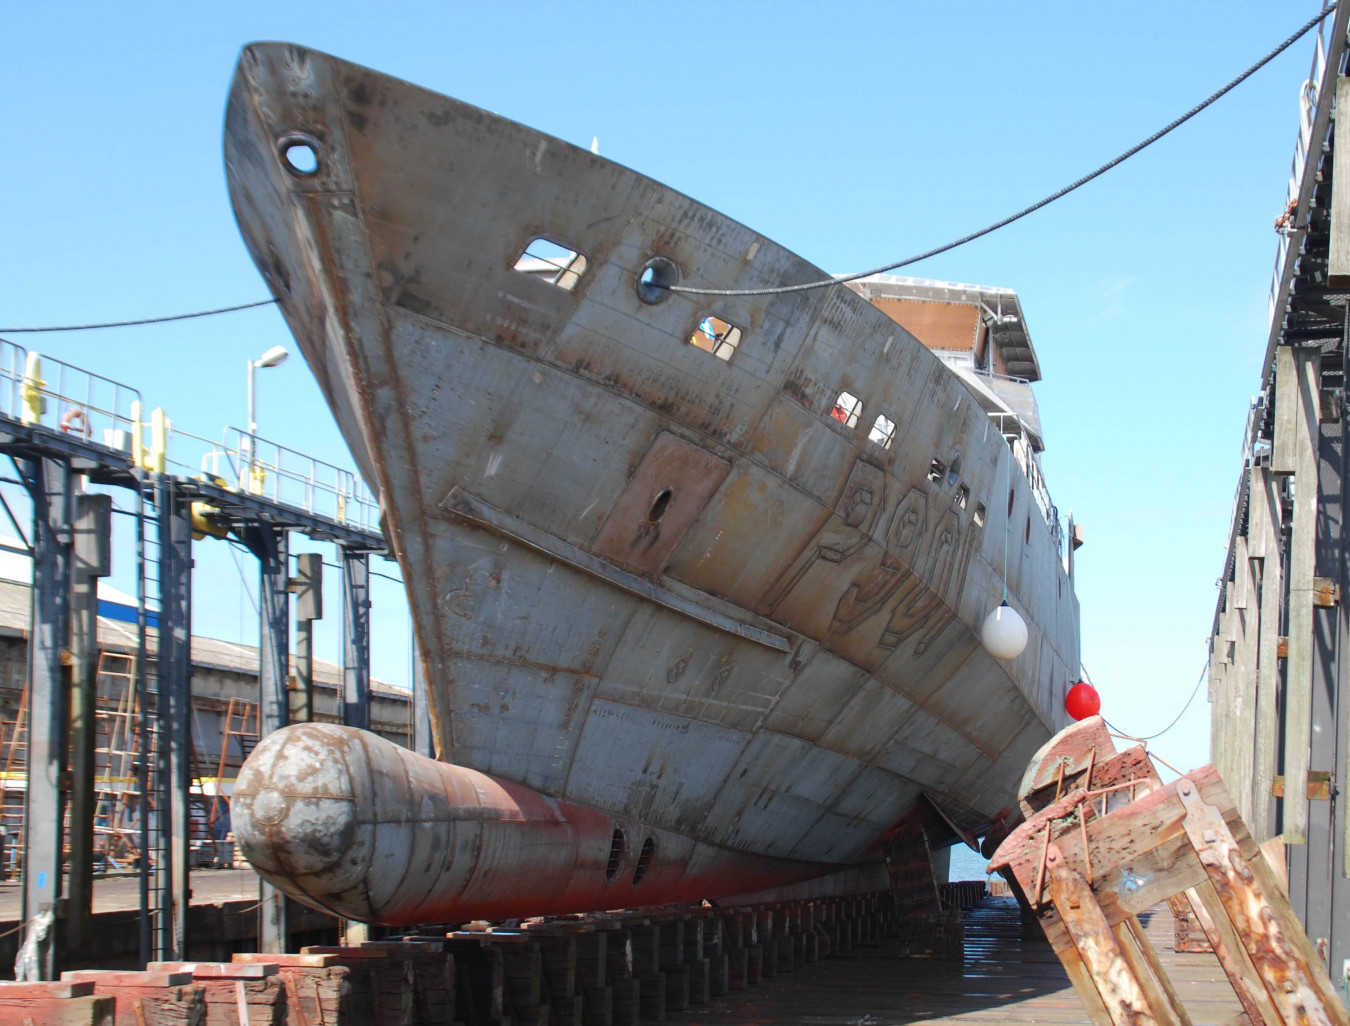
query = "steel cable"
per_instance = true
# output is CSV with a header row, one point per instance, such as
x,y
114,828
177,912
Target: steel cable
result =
x,y
146,320
806,286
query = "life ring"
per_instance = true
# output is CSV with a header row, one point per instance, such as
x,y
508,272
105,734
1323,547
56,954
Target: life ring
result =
x,y
75,421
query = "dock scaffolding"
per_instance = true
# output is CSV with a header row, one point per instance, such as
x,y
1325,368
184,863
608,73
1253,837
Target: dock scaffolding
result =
x,y
1279,674
99,758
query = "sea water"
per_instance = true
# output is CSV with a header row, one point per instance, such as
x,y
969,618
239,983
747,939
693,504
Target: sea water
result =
x,y
966,864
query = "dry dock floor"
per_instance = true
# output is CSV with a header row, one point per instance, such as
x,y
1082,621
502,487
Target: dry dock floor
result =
x,y
1008,975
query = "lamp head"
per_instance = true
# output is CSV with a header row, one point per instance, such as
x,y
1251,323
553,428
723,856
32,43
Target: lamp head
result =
x,y
274,356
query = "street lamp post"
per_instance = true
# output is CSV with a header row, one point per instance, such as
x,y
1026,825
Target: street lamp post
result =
x,y
272,358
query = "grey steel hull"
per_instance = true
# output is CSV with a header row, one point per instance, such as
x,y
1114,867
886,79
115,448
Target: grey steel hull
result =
x,y
788,657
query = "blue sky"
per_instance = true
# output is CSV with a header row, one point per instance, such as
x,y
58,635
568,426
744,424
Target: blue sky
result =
x,y
854,134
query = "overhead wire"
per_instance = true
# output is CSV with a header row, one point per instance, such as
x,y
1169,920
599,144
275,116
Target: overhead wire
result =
x,y
1204,672
840,280
1004,222
144,320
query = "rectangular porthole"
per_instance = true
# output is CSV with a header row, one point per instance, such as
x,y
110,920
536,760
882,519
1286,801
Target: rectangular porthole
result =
x,y
980,514
847,409
883,432
962,497
936,470
716,336
546,260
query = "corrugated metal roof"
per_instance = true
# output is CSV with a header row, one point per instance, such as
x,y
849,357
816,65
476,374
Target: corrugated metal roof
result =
x,y
208,653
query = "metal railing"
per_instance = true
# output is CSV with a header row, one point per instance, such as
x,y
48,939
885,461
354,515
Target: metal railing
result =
x,y
1024,453
1303,146
42,390
257,466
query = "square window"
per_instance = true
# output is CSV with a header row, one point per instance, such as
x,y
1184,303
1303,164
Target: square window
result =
x,y
716,336
847,409
550,262
883,432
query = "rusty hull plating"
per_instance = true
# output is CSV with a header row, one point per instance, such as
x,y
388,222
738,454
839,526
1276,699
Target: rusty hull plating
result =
x,y
651,579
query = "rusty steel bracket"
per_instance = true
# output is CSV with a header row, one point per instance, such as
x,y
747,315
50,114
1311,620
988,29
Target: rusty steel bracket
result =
x,y
1293,979
1326,593
1321,787
1105,840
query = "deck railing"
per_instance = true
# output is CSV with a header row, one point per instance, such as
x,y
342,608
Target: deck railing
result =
x,y
1303,147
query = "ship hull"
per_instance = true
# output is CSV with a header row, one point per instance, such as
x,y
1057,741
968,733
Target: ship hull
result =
x,y
782,659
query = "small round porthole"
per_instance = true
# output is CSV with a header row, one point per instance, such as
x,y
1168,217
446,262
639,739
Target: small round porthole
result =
x,y
644,860
299,154
616,850
654,281
659,506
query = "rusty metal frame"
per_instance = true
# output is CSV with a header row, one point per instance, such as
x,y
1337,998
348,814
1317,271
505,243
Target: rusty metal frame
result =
x,y
1088,862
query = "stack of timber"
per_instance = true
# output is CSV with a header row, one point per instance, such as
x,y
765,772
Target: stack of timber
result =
x,y
57,1004
235,995
381,979
316,986
1105,840
148,998
433,977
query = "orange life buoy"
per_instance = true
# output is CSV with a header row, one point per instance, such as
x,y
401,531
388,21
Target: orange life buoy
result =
x,y
75,421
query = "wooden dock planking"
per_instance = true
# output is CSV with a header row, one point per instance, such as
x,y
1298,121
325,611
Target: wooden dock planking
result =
x,y
1009,975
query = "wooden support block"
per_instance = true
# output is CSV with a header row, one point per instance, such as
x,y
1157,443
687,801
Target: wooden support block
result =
x,y
672,941
480,982
699,972
626,1001
754,972
677,987
524,974
652,996
566,1009
719,975
646,948
693,939
592,957
738,969
598,1009
58,1011
619,955
12,991
559,953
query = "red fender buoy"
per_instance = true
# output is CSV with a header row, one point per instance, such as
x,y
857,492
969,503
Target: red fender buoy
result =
x,y
1082,701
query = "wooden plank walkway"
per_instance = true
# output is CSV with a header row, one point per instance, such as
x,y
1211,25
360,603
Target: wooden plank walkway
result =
x,y
1009,975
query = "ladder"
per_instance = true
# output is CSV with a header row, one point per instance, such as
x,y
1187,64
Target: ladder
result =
x,y
14,735
116,787
241,724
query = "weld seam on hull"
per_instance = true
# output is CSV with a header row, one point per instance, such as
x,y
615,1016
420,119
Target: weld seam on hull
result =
x,y
468,507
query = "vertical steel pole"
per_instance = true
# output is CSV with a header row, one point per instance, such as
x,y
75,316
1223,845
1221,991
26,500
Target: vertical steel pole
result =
x,y
142,766
48,484
304,670
355,668
308,590
175,684
355,638
270,545
91,560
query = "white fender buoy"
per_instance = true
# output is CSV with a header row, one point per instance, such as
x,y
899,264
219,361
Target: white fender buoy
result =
x,y
1004,633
